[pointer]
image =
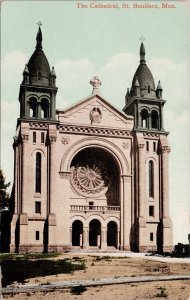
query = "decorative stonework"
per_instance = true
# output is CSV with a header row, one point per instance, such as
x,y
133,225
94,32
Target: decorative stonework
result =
x,y
151,134
25,137
52,139
93,130
65,140
88,180
95,115
38,125
125,145
15,141
141,146
165,149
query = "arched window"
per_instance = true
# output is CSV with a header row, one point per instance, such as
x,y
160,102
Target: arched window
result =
x,y
33,107
151,178
45,108
154,119
38,172
144,118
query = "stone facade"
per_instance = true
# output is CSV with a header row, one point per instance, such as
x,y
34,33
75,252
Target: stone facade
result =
x,y
90,176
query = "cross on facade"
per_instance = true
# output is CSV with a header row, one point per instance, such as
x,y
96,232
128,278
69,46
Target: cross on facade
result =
x,y
95,82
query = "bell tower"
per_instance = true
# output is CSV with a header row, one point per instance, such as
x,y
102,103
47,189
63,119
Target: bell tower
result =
x,y
143,101
38,89
151,148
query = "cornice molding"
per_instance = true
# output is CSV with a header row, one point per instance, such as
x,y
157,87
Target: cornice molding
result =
x,y
94,131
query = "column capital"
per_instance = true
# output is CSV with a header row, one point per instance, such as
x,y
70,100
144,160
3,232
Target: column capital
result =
x,y
126,177
25,138
141,146
52,139
165,149
65,175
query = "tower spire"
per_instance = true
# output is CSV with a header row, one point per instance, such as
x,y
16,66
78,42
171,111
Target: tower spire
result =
x,y
142,54
39,37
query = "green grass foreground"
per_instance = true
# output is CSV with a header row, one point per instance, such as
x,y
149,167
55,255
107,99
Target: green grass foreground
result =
x,y
21,267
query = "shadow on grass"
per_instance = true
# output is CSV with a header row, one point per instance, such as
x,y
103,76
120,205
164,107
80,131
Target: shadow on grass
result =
x,y
22,269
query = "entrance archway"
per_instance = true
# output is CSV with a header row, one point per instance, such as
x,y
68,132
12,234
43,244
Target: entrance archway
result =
x,y
94,174
95,233
77,233
112,234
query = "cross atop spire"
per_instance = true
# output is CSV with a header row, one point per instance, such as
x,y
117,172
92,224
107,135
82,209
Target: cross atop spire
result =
x,y
142,38
39,23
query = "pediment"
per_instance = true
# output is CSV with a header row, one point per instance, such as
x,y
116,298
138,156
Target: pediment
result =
x,y
95,111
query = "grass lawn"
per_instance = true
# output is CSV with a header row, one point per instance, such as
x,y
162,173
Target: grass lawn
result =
x,y
21,267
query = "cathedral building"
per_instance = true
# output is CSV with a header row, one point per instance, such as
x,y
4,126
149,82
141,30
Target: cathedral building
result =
x,y
90,176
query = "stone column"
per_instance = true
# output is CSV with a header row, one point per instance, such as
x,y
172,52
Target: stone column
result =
x,y
141,181
24,197
165,181
161,118
85,238
63,211
121,245
118,238
52,106
17,196
16,173
52,217
142,204
139,119
52,175
126,211
166,222
39,111
103,238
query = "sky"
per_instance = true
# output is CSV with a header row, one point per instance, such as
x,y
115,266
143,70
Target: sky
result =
x,y
81,43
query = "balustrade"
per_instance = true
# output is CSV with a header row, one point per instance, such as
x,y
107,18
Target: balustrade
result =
x,y
94,208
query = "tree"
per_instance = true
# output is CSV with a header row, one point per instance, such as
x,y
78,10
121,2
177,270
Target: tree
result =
x,y
4,196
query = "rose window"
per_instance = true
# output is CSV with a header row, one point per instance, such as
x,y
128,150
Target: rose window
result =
x,y
89,180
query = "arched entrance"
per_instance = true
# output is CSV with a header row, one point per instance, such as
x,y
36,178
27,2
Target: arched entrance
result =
x,y
112,234
77,233
95,233
95,174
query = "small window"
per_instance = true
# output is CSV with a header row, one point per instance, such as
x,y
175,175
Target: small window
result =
x,y
34,137
151,178
151,211
151,237
37,235
37,207
39,75
149,89
147,146
154,146
42,137
38,173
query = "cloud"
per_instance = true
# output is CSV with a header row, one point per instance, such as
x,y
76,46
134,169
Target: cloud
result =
x,y
73,80
12,66
175,82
